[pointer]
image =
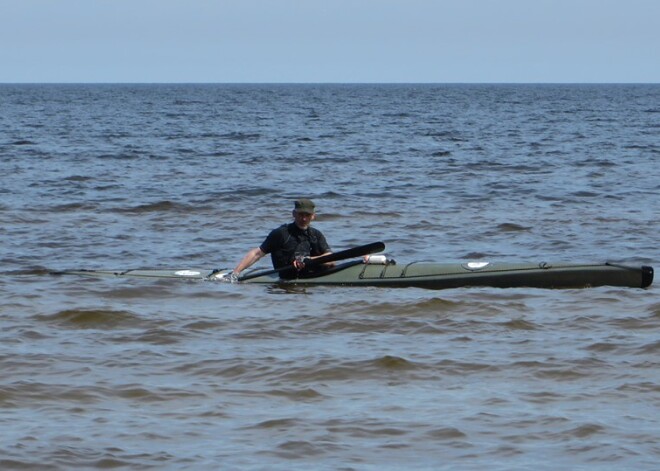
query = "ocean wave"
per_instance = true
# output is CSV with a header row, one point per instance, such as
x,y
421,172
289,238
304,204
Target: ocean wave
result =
x,y
91,318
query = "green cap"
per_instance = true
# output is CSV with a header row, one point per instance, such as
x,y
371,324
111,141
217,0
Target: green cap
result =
x,y
303,205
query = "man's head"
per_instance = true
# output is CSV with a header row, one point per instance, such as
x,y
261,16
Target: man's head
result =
x,y
304,212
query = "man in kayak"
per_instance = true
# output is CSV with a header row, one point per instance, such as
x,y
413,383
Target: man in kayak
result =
x,y
290,244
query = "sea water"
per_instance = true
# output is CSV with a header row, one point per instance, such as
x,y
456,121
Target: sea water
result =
x,y
147,374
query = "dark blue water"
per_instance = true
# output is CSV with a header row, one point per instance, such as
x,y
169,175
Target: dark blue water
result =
x,y
152,374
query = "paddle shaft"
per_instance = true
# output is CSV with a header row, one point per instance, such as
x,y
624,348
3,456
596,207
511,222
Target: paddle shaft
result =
x,y
332,257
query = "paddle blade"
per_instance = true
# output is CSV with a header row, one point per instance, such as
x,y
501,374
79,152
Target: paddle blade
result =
x,y
350,253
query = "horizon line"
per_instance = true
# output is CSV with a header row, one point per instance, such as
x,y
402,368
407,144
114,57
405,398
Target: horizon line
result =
x,y
321,83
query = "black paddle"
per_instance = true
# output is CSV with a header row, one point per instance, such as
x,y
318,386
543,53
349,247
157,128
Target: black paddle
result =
x,y
332,257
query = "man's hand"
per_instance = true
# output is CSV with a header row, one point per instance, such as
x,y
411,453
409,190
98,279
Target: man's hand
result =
x,y
299,262
227,277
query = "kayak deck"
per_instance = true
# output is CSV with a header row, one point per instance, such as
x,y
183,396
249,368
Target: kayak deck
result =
x,y
500,275
428,275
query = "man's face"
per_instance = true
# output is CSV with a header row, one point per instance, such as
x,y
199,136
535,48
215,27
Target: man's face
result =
x,y
303,220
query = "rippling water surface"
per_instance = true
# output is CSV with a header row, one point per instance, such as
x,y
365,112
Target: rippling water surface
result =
x,y
144,374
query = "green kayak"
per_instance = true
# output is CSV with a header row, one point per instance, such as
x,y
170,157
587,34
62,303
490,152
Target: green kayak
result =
x,y
388,274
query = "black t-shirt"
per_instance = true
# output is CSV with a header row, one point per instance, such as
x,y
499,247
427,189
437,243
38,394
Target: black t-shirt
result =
x,y
288,241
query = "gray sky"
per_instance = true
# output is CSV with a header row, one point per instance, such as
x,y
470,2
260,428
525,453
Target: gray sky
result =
x,y
330,41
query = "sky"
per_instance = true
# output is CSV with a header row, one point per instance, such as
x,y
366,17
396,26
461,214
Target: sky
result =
x,y
330,41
